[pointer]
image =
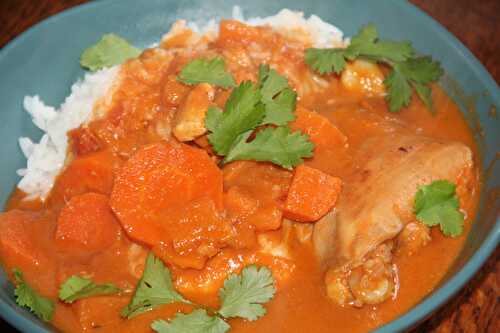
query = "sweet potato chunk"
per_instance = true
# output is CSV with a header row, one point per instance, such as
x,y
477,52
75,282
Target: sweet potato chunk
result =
x,y
17,245
193,233
95,312
312,194
86,223
320,130
157,178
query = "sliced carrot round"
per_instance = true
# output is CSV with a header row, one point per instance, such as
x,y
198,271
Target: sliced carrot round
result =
x,y
86,224
157,178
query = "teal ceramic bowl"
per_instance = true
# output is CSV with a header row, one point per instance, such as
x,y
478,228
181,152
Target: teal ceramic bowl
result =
x,y
44,61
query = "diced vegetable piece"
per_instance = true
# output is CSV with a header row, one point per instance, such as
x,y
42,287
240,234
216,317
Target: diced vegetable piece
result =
x,y
239,202
17,245
320,130
268,217
86,223
99,311
363,77
158,177
90,173
312,194
189,121
196,232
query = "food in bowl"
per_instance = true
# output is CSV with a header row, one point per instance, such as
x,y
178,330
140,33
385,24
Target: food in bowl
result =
x,y
229,174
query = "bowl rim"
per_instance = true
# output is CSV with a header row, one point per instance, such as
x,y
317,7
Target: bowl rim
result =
x,y
415,314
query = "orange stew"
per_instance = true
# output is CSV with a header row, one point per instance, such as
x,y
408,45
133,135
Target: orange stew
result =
x,y
129,186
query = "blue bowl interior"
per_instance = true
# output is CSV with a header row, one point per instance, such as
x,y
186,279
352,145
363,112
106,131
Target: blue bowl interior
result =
x,y
44,61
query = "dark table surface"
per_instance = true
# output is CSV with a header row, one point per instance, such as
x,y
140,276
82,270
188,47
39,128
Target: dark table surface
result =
x,y
477,25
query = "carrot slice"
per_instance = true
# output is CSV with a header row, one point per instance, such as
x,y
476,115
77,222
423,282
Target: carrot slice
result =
x,y
320,130
86,224
312,194
90,173
158,177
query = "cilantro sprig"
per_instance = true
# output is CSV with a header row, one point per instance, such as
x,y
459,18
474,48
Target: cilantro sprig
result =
x,y
407,71
206,71
276,145
197,321
437,204
27,297
270,101
241,296
243,112
110,50
77,287
277,96
154,288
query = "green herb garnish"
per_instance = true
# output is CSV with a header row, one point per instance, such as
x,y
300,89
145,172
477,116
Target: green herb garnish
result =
x,y
207,71
41,306
77,287
277,96
437,204
269,102
197,321
241,297
407,69
109,51
154,288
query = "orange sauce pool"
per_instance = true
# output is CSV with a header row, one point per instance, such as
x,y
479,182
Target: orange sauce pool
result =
x,y
141,113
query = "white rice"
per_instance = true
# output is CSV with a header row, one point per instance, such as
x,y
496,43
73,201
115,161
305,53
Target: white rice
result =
x,y
46,158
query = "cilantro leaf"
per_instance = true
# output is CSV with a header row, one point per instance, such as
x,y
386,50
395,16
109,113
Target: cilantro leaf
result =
x,y
407,70
365,44
399,90
326,61
277,145
207,71
425,94
421,70
154,288
279,99
42,307
416,71
437,204
243,295
243,112
77,287
110,50
213,117
383,51
197,321
367,34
